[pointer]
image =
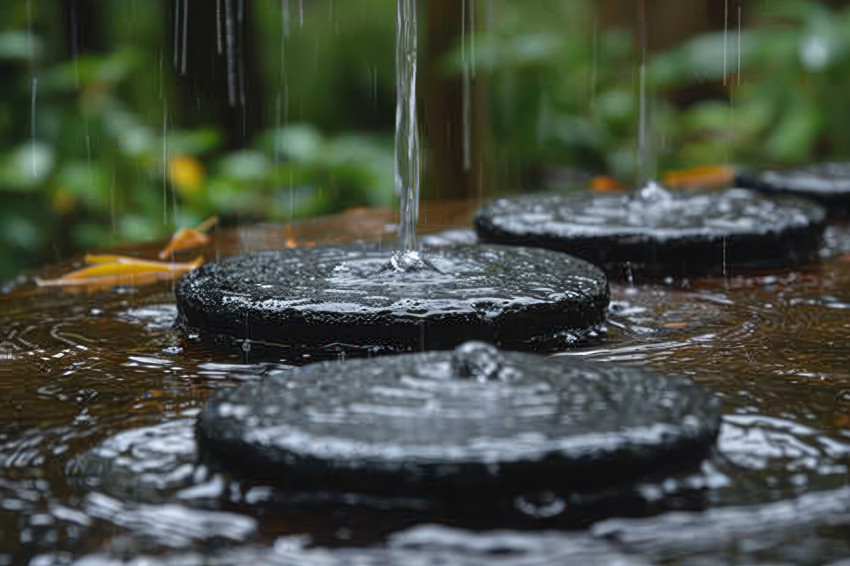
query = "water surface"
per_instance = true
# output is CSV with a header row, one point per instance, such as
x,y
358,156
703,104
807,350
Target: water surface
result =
x,y
99,397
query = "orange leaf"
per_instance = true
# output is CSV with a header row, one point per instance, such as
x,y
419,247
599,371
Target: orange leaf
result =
x,y
701,177
606,183
189,238
291,242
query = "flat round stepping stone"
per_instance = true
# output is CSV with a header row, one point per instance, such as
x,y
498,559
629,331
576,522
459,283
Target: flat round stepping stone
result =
x,y
474,423
826,183
659,233
358,299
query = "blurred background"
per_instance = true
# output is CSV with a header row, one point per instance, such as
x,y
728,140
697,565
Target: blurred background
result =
x,y
122,120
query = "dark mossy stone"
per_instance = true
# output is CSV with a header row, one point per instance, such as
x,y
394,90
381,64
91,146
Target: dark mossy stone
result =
x,y
365,300
826,183
475,423
658,233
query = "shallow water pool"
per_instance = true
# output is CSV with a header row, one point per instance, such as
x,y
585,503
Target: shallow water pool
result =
x,y
98,462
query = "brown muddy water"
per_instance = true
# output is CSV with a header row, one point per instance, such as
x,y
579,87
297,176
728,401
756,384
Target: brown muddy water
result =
x,y
98,397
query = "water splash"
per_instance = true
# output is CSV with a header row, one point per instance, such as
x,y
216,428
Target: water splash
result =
x,y
406,127
652,192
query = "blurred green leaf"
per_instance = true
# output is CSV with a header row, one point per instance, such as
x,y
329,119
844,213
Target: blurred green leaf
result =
x,y
25,167
299,142
100,70
20,45
195,142
244,165
793,137
87,181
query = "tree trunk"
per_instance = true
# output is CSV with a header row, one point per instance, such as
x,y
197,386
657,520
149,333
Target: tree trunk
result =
x,y
455,118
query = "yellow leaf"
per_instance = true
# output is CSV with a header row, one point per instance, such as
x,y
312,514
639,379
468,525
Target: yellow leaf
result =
x,y
122,271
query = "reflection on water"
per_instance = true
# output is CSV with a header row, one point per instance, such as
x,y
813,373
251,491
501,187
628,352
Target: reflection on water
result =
x,y
98,460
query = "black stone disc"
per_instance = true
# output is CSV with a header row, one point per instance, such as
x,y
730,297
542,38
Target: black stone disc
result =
x,y
476,423
659,233
826,183
366,300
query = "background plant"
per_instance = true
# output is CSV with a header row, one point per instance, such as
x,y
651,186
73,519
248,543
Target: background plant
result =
x,y
124,147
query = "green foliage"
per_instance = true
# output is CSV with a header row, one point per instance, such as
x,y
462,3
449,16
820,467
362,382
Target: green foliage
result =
x,y
112,155
564,90
105,160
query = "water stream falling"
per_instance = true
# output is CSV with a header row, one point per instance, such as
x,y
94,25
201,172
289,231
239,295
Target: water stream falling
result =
x,y
406,172
645,159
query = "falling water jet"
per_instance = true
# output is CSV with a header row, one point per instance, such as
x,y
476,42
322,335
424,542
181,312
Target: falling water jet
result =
x,y
407,162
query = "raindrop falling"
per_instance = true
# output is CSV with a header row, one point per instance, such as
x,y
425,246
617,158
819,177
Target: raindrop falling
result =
x,y
176,32
645,159
594,61
33,88
185,35
467,125
472,27
740,6
30,44
32,126
725,35
286,17
468,65
230,48
218,43
164,162
75,43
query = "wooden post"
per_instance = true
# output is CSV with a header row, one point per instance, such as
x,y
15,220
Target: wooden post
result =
x,y
454,129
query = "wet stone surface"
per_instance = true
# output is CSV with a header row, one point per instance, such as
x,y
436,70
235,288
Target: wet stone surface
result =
x,y
826,183
473,423
659,233
366,300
